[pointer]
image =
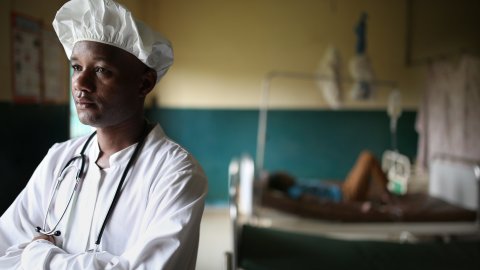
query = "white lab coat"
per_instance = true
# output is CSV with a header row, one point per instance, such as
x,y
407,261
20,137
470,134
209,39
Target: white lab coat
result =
x,y
154,225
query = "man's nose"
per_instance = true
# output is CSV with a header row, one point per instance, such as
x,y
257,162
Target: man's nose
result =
x,y
84,80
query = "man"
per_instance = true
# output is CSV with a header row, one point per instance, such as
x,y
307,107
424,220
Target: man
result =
x,y
126,197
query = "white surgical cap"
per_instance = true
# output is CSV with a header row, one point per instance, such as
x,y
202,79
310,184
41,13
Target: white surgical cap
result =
x,y
108,22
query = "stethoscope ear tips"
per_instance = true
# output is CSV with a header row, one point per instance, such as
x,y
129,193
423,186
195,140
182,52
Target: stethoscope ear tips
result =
x,y
37,229
57,233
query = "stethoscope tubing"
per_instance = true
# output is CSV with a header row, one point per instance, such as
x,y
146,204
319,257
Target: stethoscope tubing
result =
x,y
53,230
78,177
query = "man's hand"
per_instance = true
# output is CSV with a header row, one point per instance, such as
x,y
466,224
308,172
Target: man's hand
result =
x,y
49,238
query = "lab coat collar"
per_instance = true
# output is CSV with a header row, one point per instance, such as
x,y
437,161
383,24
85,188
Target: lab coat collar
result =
x,y
123,156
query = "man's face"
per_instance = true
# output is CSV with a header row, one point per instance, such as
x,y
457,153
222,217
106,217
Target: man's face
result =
x,y
106,84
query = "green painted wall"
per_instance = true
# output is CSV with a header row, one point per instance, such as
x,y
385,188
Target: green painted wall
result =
x,y
325,144
306,143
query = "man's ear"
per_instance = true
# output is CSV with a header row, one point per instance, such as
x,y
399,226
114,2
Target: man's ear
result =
x,y
149,79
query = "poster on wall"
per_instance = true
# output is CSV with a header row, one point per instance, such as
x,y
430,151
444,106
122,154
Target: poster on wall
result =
x,y
27,59
54,69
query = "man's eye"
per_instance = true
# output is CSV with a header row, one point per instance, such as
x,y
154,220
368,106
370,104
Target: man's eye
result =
x,y
101,70
76,67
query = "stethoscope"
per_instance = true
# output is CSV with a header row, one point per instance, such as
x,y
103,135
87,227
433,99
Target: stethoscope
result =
x,y
78,177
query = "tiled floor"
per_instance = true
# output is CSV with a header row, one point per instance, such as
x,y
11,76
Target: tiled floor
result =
x,y
215,239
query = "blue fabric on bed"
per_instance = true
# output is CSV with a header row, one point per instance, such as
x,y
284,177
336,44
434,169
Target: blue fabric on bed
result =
x,y
318,189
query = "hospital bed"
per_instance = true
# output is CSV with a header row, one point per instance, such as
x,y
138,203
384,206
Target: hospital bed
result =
x,y
435,217
271,231
411,215
269,239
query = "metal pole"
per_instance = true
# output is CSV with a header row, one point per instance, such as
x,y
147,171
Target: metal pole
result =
x,y
476,171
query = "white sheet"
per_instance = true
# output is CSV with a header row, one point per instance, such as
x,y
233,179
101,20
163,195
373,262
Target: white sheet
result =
x,y
454,182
